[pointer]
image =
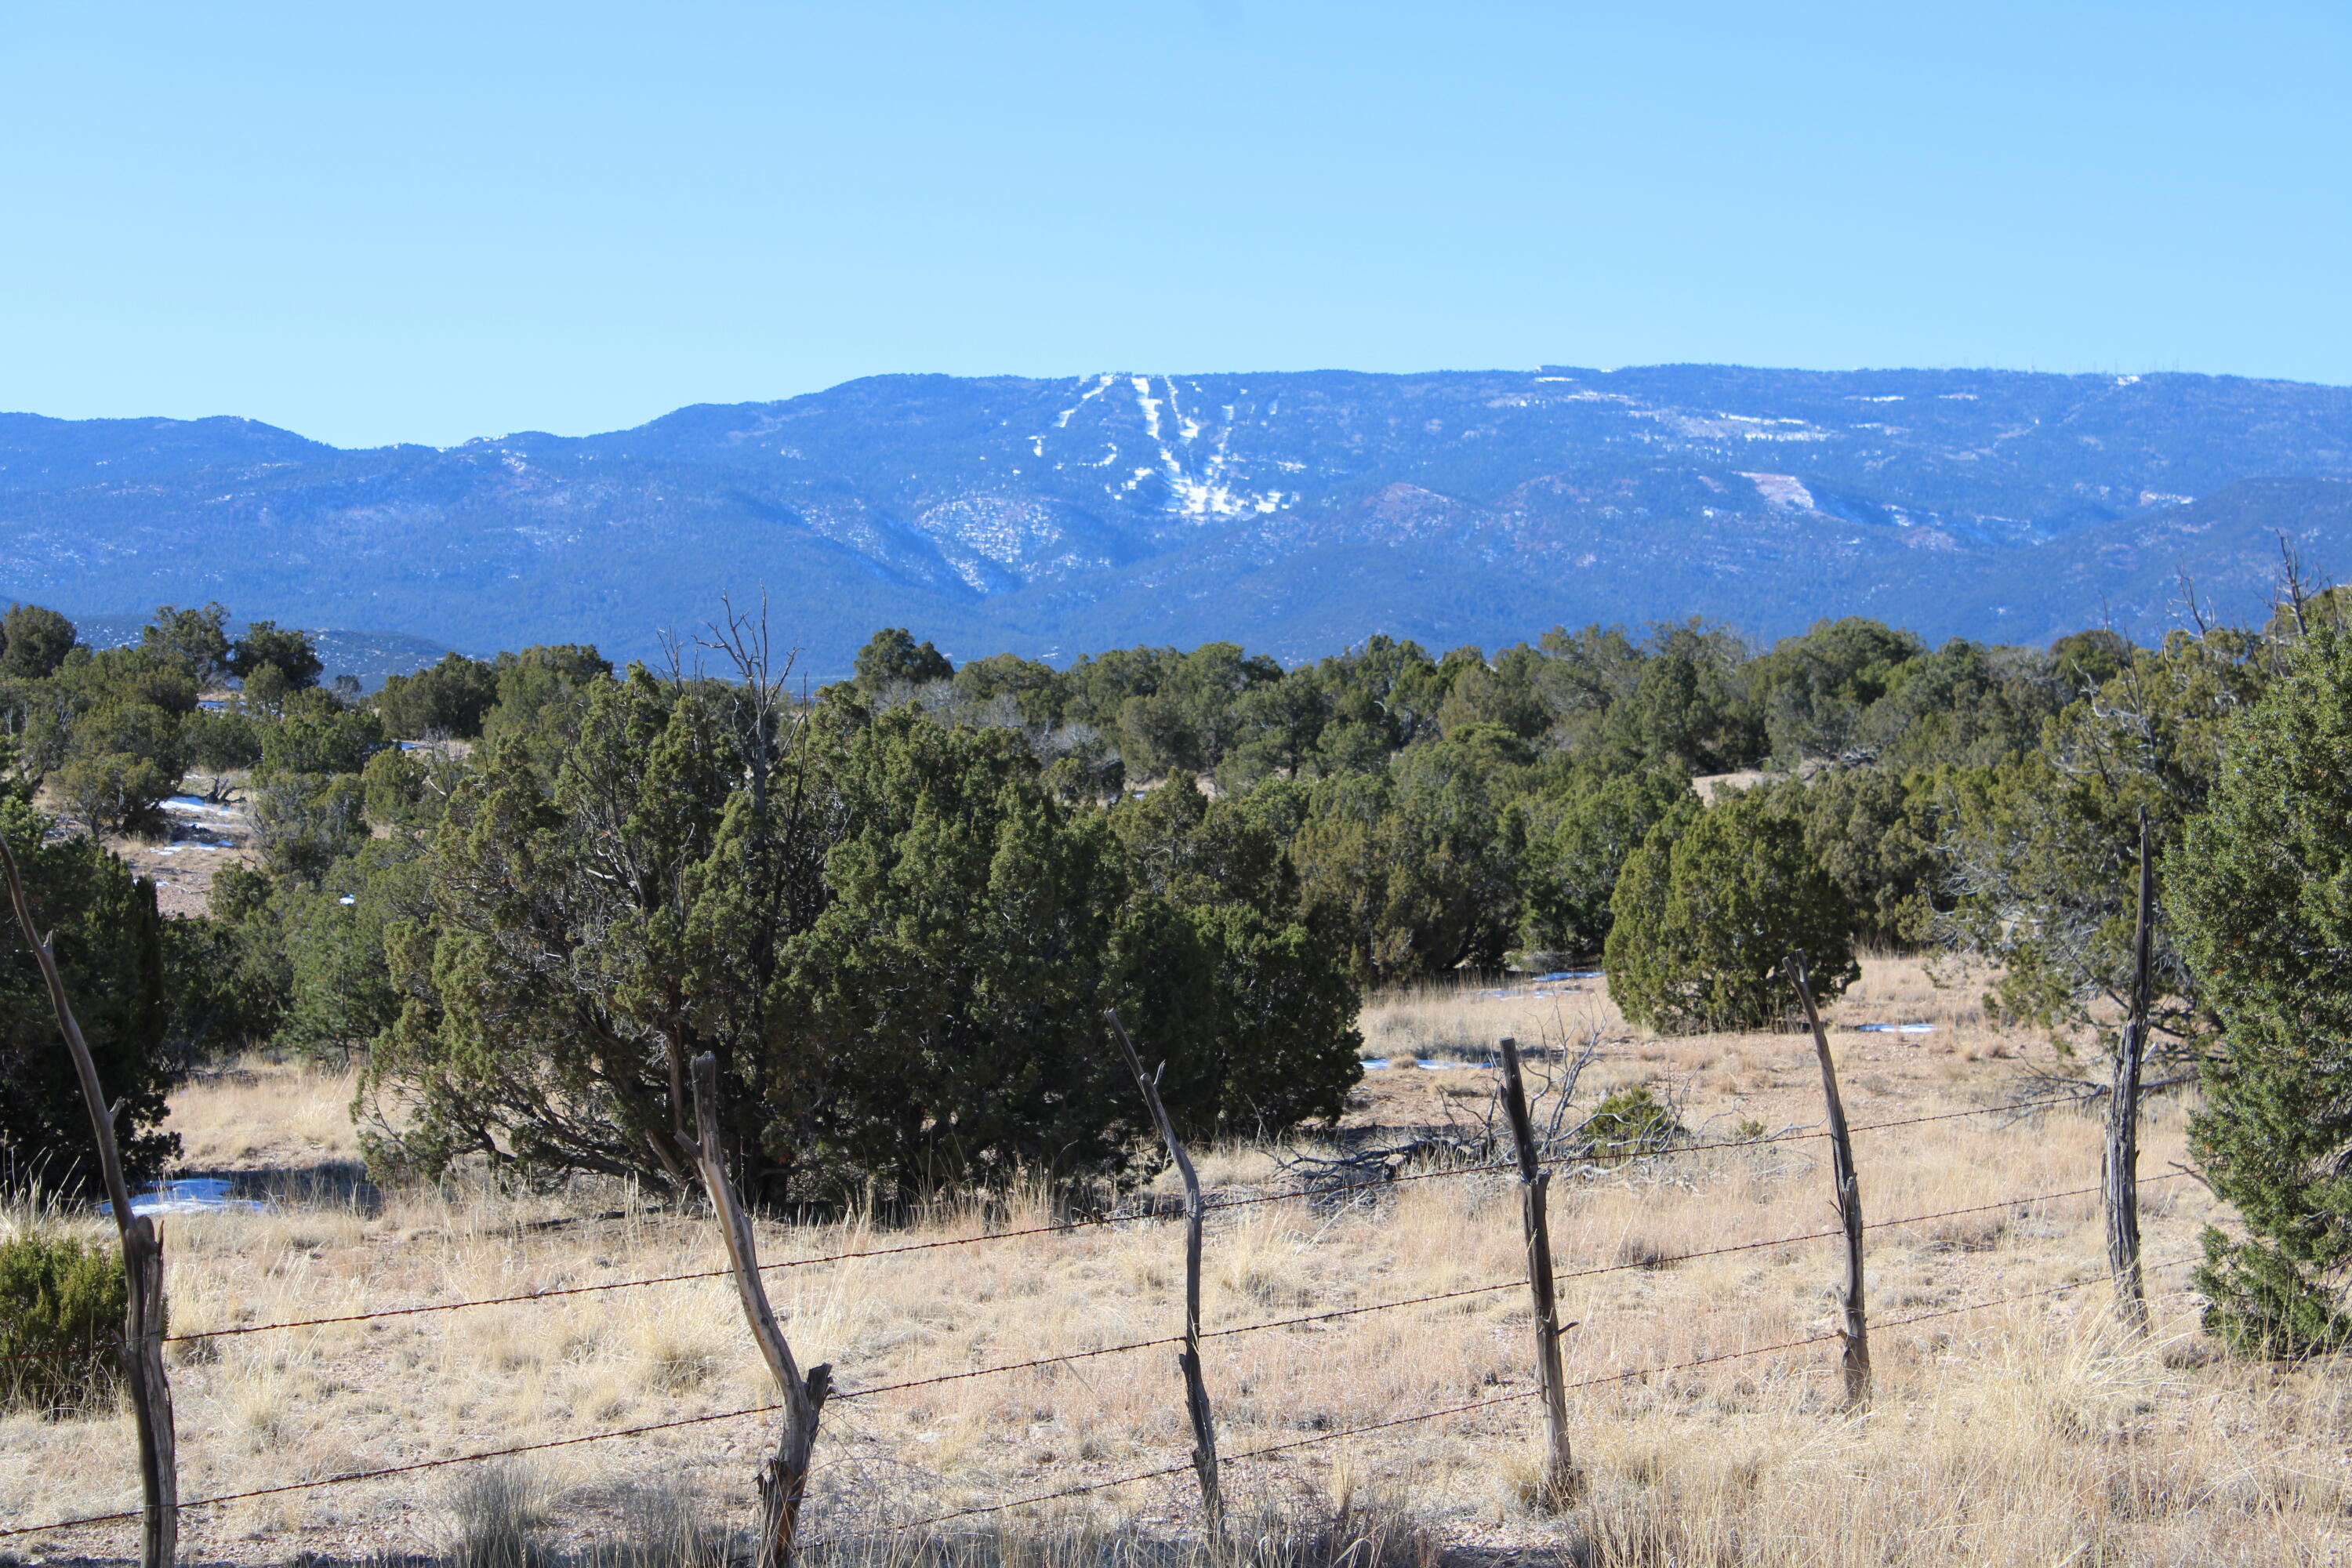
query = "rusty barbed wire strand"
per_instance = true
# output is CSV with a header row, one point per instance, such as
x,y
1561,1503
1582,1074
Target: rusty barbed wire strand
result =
x,y
1141,1344
1453,1410
399,1469
1513,1284
509,1452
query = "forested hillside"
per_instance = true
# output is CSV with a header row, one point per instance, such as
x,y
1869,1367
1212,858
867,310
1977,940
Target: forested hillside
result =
x,y
1292,512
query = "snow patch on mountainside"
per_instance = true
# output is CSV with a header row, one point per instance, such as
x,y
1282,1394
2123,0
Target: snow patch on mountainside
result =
x,y
998,544
1062,420
1148,403
1203,480
1782,489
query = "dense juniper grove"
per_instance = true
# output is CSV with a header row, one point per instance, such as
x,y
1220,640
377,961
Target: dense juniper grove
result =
x,y
525,892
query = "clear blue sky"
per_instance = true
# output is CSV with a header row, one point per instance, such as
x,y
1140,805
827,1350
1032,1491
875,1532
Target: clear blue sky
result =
x,y
424,222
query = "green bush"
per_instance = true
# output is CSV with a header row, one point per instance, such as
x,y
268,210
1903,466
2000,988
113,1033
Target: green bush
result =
x,y
448,700
268,646
314,737
1630,1121
1707,909
61,1306
2261,888
900,946
110,946
121,761
1570,867
37,641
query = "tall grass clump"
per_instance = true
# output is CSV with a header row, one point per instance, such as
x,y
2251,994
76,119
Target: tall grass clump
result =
x,y
502,1514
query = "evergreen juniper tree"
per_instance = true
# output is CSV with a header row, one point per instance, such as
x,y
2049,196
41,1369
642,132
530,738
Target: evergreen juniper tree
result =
x,y
2260,886
1710,907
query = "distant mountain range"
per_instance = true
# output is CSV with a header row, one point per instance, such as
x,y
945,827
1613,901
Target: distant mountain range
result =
x,y
1294,512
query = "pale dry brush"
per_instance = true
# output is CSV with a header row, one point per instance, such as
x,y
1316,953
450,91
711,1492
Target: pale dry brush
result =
x,y
2026,1434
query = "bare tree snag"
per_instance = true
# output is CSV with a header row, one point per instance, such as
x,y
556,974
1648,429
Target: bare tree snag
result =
x,y
143,1269
1561,1482
1196,1391
2123,1114
783,1479
1857,1332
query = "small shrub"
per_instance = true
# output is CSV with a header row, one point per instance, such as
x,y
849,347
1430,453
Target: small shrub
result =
x,y
1631,1121
61,1306
501,1510
1637,1251
665,1526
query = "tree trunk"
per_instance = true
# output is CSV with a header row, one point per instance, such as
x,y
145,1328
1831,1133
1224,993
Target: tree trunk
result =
x,y
2123,1115
1561,1484
1196,1390
783,1479
1857,1332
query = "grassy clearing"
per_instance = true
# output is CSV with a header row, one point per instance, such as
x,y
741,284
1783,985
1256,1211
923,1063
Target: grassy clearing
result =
x,y
2029,1434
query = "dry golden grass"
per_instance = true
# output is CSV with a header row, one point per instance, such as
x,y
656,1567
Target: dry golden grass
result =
x,y
264,1116
191,847
2027,1434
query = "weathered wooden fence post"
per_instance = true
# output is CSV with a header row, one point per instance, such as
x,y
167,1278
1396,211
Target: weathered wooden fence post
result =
x,y
1196,1391
1561,1482
783,1479
2123,1114
143,1269
1856,1333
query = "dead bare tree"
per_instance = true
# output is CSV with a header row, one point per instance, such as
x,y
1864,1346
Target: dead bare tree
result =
x,y
2191,604
764,725
1485,1138
2295,591
765,721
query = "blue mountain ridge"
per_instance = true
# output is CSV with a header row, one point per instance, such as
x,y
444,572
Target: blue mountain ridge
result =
x,y
1294,512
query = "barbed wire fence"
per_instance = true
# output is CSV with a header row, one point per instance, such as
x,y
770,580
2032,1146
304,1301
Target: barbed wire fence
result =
x,y
1356,1192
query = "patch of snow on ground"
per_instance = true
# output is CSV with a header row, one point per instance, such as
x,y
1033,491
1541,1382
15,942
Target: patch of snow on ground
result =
x,y
192,1195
